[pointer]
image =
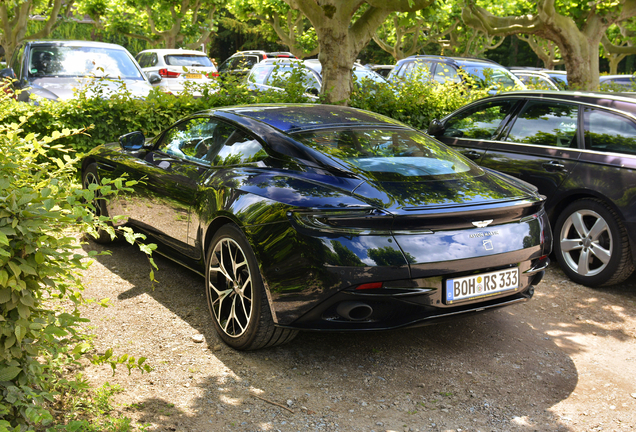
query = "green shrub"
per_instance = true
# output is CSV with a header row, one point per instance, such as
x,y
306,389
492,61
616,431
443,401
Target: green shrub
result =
x,y
42,212
104,119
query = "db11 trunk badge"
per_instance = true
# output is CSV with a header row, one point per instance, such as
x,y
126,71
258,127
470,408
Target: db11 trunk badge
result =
x,y
482,224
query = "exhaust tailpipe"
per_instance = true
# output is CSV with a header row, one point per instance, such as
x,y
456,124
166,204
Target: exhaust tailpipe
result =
x,y
354,311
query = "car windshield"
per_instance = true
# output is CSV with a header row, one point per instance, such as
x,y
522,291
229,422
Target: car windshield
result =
x,y
188,60
487,76
80,61
390,154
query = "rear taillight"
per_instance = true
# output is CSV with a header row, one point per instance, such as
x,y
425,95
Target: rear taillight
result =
x,y
372,285
165,73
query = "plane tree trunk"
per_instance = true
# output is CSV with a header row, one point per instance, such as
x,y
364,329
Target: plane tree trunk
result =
x,y
341,37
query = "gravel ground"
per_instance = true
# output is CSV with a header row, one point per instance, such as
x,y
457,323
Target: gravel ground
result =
x,y
564,361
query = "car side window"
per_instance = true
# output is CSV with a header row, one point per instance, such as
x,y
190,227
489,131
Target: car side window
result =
x,y
551,124
479,122
282,74
606,131
444,72
259,74
419,68
190,139
153,60
237,148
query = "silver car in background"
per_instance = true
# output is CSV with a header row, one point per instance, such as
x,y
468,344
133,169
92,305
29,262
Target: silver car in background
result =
x,y
59,69
177,68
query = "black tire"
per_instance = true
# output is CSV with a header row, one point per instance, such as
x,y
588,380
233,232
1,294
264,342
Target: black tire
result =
x,y
89,175
236,296
591,244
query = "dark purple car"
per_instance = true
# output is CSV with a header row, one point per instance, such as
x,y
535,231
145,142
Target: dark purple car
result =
x,y
579,149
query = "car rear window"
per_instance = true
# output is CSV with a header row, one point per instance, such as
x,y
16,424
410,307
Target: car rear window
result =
x,y
188,60
390,154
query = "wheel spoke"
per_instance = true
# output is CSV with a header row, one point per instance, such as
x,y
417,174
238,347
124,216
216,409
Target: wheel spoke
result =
x,y
246,309
600,226
579,226
584,263
568,245
245,286
235,317
601,253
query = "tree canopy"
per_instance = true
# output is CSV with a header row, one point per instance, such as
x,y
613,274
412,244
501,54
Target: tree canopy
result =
x,y
575,33
575,26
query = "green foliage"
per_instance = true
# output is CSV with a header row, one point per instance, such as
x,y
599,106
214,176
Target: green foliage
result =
x,y
42,212
103,119
415,101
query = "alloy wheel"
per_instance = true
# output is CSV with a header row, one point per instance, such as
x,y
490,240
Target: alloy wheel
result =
x,y
230,287
586,242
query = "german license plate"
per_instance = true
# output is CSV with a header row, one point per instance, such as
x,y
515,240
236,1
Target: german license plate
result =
x,y
481,285
193,76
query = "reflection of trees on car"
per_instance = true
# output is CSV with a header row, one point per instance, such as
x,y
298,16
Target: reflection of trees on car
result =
x,y
386,256
611,142
479,123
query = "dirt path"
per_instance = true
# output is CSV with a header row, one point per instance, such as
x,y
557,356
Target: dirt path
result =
x,y
566,361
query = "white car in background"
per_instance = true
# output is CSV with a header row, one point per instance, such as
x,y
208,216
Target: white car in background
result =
x,y
177,67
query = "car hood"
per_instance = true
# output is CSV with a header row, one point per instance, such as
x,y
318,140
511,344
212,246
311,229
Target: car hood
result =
x,y
65,88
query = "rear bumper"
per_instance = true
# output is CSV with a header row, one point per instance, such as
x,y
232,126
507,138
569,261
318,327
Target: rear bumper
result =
x,y
390,308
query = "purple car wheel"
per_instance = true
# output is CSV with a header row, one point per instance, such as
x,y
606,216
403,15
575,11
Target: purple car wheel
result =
x,y
591,244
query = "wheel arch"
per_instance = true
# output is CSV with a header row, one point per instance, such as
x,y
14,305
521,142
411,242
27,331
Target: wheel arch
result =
x,y
218,223
564,201
214,226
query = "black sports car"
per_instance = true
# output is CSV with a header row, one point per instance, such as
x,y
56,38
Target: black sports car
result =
x,y
325,217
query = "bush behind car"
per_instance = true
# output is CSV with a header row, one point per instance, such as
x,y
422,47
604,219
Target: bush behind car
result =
x,y
413,102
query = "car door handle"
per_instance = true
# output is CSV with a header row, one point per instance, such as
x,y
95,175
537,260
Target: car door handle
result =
x,y
471,154
553,166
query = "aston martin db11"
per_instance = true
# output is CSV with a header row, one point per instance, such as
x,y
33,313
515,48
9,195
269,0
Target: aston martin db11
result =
x,y
317,217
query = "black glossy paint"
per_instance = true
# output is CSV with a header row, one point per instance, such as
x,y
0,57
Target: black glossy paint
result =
x,y
319,230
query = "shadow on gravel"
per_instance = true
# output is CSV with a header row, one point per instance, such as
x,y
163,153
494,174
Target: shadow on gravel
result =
x,y
500,370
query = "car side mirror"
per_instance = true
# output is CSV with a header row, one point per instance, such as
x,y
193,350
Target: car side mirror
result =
x,y
313,91
132,141
7,74
435,128
153,77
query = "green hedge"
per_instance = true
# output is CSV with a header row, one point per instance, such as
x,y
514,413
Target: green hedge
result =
x,y
105,119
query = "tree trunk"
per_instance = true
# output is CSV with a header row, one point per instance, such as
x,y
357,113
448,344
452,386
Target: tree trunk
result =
x,y
340,37
337,57
579,47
